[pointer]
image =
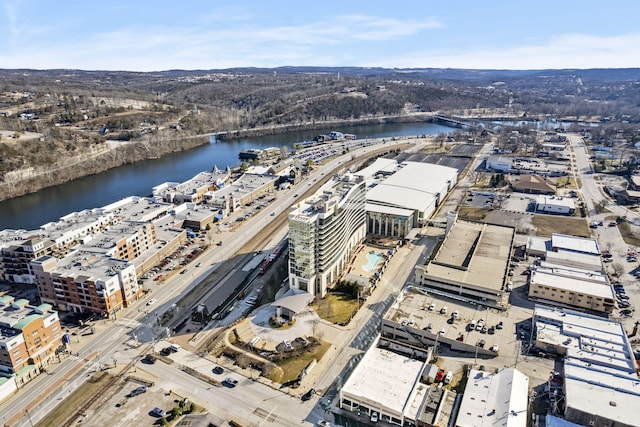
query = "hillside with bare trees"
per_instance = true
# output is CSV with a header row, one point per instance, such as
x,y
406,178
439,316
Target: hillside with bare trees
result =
x,y
58,125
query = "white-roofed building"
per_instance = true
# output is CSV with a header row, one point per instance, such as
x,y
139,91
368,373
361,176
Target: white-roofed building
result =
x,y
574,244
566,250
555,204
387,383
571,286
403,196
194,189
499,163
491,399
601,384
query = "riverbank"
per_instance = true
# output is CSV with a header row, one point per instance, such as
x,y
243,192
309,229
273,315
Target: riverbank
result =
x,y
73,168
276,129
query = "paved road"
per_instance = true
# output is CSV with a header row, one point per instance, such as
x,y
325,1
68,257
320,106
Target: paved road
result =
x,y
115,340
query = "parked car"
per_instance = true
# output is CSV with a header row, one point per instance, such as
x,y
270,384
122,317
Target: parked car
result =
x,y
440,375
158,412
448,377
137,391
218,370
500,325
494,348
491,330
324,423
624,304
374,417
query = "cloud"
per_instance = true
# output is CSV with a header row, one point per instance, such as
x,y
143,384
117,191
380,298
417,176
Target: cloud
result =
x,y
227,38
559,51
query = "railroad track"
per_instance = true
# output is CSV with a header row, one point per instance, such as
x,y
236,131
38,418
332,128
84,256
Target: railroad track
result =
x,y
106,390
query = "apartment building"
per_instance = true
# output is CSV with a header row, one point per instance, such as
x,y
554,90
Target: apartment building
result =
x,y
324,232
29,337
86,282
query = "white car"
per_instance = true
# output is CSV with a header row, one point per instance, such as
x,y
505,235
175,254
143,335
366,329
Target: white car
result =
x,y
151,301
448,377
374,417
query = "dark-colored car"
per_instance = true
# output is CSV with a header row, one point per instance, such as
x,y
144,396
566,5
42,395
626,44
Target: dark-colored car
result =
x,y
150,359
308,395
218,370
230,382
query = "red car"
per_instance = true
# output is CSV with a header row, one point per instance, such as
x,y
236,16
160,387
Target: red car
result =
x,y
440,375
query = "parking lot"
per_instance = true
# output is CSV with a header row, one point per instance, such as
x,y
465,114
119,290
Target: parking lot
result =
x,y
135,410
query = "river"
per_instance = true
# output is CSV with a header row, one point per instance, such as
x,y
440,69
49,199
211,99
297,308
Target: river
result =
x,y
32,210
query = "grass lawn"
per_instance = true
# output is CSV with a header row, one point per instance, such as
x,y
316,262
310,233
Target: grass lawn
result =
x,y
629,237
567,182
294,365
548,224
336,308
75,400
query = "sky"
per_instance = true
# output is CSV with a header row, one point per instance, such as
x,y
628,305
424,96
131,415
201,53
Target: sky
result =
x,y
141,35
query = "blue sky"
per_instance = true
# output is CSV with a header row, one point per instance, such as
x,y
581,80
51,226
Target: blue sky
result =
x,y
197,34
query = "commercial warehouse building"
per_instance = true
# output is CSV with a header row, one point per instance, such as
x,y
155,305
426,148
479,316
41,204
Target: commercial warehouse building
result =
x,y
571,286
555,205
390,385
401,196
494,398
600,381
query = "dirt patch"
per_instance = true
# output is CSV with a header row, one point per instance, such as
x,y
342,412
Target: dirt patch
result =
x,y
629,233
63,411
548,224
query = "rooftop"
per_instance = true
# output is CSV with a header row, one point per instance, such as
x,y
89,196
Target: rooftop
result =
x,y
491,399
576,244
573,280
473,253
331,194
590,339
372,381
16,314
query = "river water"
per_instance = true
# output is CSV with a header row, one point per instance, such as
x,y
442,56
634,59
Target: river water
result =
x,y
33,210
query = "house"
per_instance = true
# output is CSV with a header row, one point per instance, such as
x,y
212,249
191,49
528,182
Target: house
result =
x,y
533,184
